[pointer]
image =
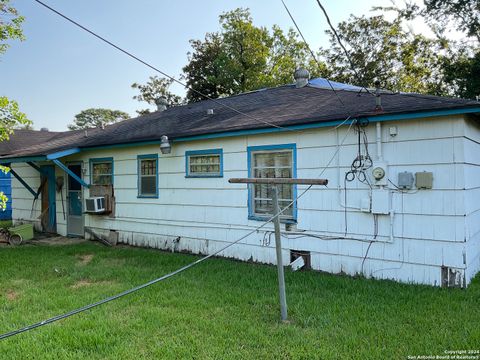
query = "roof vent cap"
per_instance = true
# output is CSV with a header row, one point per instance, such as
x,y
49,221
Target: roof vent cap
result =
x,y
44,129
209,111
301,77
161,103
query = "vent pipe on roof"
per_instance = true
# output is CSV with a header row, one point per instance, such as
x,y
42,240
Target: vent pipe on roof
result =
x,y
378,97
44,129
161,103
301,77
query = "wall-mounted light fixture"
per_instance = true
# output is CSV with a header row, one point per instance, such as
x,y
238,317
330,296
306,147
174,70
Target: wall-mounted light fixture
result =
x,y
165,146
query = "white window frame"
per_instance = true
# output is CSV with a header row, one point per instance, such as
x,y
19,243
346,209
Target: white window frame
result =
x,y
254,150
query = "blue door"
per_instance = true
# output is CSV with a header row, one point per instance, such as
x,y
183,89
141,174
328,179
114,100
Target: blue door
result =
x,y
74,201
6,188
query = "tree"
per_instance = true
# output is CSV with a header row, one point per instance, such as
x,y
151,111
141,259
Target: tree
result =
x,y
459,59
462,72
381,50
243,57
10,115
206,71
10,25
155,89
92,118
442,15
10,29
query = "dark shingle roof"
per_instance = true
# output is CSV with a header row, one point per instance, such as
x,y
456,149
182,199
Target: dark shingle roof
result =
x,y
281,106
22,139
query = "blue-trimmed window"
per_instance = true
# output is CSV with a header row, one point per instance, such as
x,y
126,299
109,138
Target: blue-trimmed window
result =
x,y
272,161
204,163
101,171
148,176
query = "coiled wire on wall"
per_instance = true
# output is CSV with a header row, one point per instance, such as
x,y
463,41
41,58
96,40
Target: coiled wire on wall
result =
x,y
358,169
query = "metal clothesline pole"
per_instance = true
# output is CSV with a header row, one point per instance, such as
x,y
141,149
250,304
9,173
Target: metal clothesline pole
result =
x,y
278,248
274,182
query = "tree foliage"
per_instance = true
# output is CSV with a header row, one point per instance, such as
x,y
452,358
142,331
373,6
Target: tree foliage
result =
x,y
243,57
462,73
442,15
92,118
156,88
382,50
10,25
458,59
10,117
10,29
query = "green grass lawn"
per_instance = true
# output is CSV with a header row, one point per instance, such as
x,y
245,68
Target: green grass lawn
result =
x,y
221,309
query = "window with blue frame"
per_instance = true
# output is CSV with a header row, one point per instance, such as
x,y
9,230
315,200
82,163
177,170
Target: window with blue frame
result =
x,y
271,161
204,163
101,171
148,176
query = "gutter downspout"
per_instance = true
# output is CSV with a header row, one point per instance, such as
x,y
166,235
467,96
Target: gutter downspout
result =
x,y
380,159
379,141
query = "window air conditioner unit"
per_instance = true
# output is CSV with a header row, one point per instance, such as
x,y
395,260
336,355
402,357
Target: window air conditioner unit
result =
x,y
95,204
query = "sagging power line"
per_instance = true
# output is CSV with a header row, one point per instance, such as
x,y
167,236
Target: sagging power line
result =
x,y
186,267
178,271
339,40
117,47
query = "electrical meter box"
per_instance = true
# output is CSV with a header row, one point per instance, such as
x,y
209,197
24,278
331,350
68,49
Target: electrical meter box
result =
x,y
424,180
380,202
380,173
405,180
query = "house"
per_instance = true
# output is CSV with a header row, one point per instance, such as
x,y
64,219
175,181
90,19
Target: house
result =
x,y
16,142
402,201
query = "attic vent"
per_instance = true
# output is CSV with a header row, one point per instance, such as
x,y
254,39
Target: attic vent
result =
x,y
161,103
209,111
44,129
301,77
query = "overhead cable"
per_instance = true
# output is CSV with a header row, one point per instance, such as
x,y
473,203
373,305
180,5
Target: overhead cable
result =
x,y
311,52
216,101
342,46
178,271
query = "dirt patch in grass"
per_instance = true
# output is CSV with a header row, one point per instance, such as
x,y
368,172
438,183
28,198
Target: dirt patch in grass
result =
x,y
58,240
12,295
85,259
87,282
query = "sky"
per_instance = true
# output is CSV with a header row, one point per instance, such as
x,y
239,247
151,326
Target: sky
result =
x,y
60,70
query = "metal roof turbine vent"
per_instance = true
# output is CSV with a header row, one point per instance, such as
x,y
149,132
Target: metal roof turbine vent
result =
x,y
161,103
301,77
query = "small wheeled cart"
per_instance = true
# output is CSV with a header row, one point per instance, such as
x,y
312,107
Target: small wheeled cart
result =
x,y
11,238
15,235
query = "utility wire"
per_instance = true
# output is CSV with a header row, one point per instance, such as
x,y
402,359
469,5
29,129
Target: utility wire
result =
x,y
342,46
157,69
188,266
173,273
311,52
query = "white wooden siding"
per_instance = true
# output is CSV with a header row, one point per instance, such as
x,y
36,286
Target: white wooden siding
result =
x,y
430,227
472,197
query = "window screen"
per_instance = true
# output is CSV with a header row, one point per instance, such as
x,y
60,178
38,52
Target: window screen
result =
x,y
148,173
102,172
204,163
272,164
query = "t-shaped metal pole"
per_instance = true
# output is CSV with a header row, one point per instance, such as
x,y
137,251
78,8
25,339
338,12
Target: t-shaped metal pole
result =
x,y
278,246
